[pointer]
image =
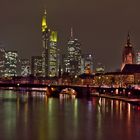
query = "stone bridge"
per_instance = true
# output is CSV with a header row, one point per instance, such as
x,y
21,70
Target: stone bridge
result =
x,y
81,90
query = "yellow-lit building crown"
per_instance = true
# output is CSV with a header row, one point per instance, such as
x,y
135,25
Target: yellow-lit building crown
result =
x,y
44,22
53,36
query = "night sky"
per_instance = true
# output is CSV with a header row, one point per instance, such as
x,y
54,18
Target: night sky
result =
x,y
100,25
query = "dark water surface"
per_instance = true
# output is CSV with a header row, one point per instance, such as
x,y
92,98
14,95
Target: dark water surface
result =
x,y
69,119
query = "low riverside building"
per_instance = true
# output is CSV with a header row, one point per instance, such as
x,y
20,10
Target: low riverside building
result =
x,y
110,79
133,70
129,75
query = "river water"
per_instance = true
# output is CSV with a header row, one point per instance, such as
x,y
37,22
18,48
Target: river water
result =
x,y
68,119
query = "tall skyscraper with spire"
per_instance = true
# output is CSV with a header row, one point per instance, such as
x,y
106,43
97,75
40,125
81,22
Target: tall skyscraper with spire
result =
x,y
50,50
73,56
45,43
128,54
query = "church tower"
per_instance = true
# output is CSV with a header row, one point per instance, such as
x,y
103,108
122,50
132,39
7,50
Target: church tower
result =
x,y
128,55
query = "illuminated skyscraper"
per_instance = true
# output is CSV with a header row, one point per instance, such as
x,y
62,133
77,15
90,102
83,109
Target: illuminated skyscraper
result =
x,y
36,65
73,57
138,58
87,60
50,50
128,53
25,67
2,62
11,63
100,68
45,43
52,55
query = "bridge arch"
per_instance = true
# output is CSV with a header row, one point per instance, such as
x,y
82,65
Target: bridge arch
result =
x,y
68,91
55,90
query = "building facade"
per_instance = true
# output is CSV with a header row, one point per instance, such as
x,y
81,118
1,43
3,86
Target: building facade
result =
x,y
25,68
50,50
53,55
36,66
128,56
45,43
11,64
87,61
73,56
138,58
100,68
2,62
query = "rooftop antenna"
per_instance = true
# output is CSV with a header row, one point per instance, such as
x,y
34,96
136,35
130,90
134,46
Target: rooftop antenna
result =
x,y
71,33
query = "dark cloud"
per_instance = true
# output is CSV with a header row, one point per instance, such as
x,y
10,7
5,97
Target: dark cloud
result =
x,y
100,25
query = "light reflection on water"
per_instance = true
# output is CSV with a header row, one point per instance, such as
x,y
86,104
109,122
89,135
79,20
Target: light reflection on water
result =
x,y
72,119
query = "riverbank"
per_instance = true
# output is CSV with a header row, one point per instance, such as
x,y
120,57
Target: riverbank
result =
x,y
132,100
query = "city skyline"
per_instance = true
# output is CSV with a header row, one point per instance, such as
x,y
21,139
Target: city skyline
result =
x,y
101,27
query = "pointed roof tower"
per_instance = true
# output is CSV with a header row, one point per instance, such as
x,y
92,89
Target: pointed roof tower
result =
x,y
128,44
128,55
44,21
